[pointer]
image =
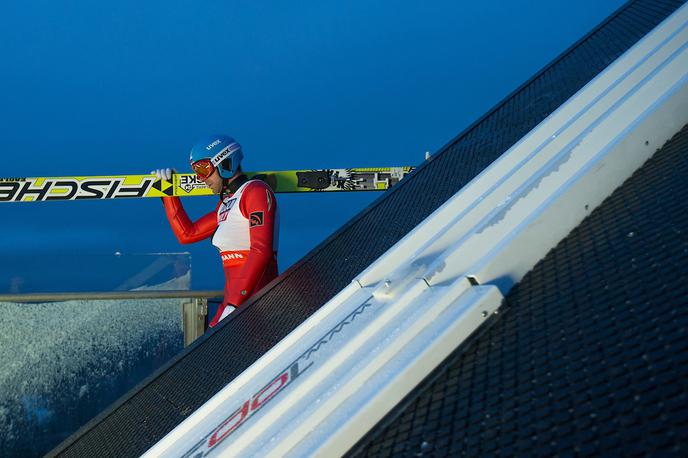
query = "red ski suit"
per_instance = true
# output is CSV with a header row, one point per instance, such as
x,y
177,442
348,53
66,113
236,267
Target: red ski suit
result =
x,y
244,227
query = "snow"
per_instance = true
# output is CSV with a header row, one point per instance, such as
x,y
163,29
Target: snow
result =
x,y
61,363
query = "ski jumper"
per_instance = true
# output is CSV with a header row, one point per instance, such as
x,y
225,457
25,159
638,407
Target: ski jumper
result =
x,y
244,228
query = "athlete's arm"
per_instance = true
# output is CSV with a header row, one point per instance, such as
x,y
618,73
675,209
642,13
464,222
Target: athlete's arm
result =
x,y
185,230
259,206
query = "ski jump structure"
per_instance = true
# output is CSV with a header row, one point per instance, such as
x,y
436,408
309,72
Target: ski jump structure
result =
x,y
325,385
585,356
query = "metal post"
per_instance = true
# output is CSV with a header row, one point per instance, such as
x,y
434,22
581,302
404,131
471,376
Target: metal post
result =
x,y
194,315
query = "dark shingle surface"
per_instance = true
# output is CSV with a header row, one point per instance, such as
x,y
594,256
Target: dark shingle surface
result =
x,y
590,352
148,413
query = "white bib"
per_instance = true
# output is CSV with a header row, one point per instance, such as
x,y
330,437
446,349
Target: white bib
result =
x,y
232,236
232,227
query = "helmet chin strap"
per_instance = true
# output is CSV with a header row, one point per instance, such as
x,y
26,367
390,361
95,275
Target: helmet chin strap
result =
x,y
231,185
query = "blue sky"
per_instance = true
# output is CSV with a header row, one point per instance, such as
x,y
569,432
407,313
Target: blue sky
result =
x,y
90,88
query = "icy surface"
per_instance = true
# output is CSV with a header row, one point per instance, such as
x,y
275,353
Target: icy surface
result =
x,y
182,283
78,271
62,363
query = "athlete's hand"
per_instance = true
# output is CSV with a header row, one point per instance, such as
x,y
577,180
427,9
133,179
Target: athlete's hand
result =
x,y
163,174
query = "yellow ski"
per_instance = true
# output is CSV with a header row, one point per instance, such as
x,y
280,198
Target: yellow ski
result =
x,y
39,189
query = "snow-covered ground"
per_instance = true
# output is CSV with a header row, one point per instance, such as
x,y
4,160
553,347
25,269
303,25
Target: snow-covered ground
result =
x,y
62,363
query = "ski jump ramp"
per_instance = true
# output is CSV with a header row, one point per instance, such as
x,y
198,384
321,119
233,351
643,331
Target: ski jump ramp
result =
x,y
502,195
325,385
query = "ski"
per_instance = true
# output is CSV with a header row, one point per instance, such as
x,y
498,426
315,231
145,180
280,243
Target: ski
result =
x,y
40,189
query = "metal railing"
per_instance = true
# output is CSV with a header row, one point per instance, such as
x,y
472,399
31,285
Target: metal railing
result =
x,y
194,311
107,295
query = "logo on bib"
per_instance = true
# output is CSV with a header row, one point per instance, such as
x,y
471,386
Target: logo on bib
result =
x,y
224,209
232,256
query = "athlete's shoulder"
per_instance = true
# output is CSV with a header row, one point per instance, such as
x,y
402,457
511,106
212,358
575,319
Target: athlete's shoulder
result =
x,y
257,185
257,195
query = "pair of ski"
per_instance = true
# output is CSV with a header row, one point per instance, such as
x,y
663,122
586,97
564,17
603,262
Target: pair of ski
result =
x,y
39,189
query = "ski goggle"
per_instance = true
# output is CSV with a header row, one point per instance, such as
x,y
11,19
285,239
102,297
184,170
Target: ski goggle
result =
x,y
203,168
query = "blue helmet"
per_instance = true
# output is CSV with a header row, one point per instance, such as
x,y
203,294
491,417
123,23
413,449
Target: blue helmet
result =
x,y
223,151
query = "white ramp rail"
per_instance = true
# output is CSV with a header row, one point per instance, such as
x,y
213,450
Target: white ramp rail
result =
x,y
333,378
